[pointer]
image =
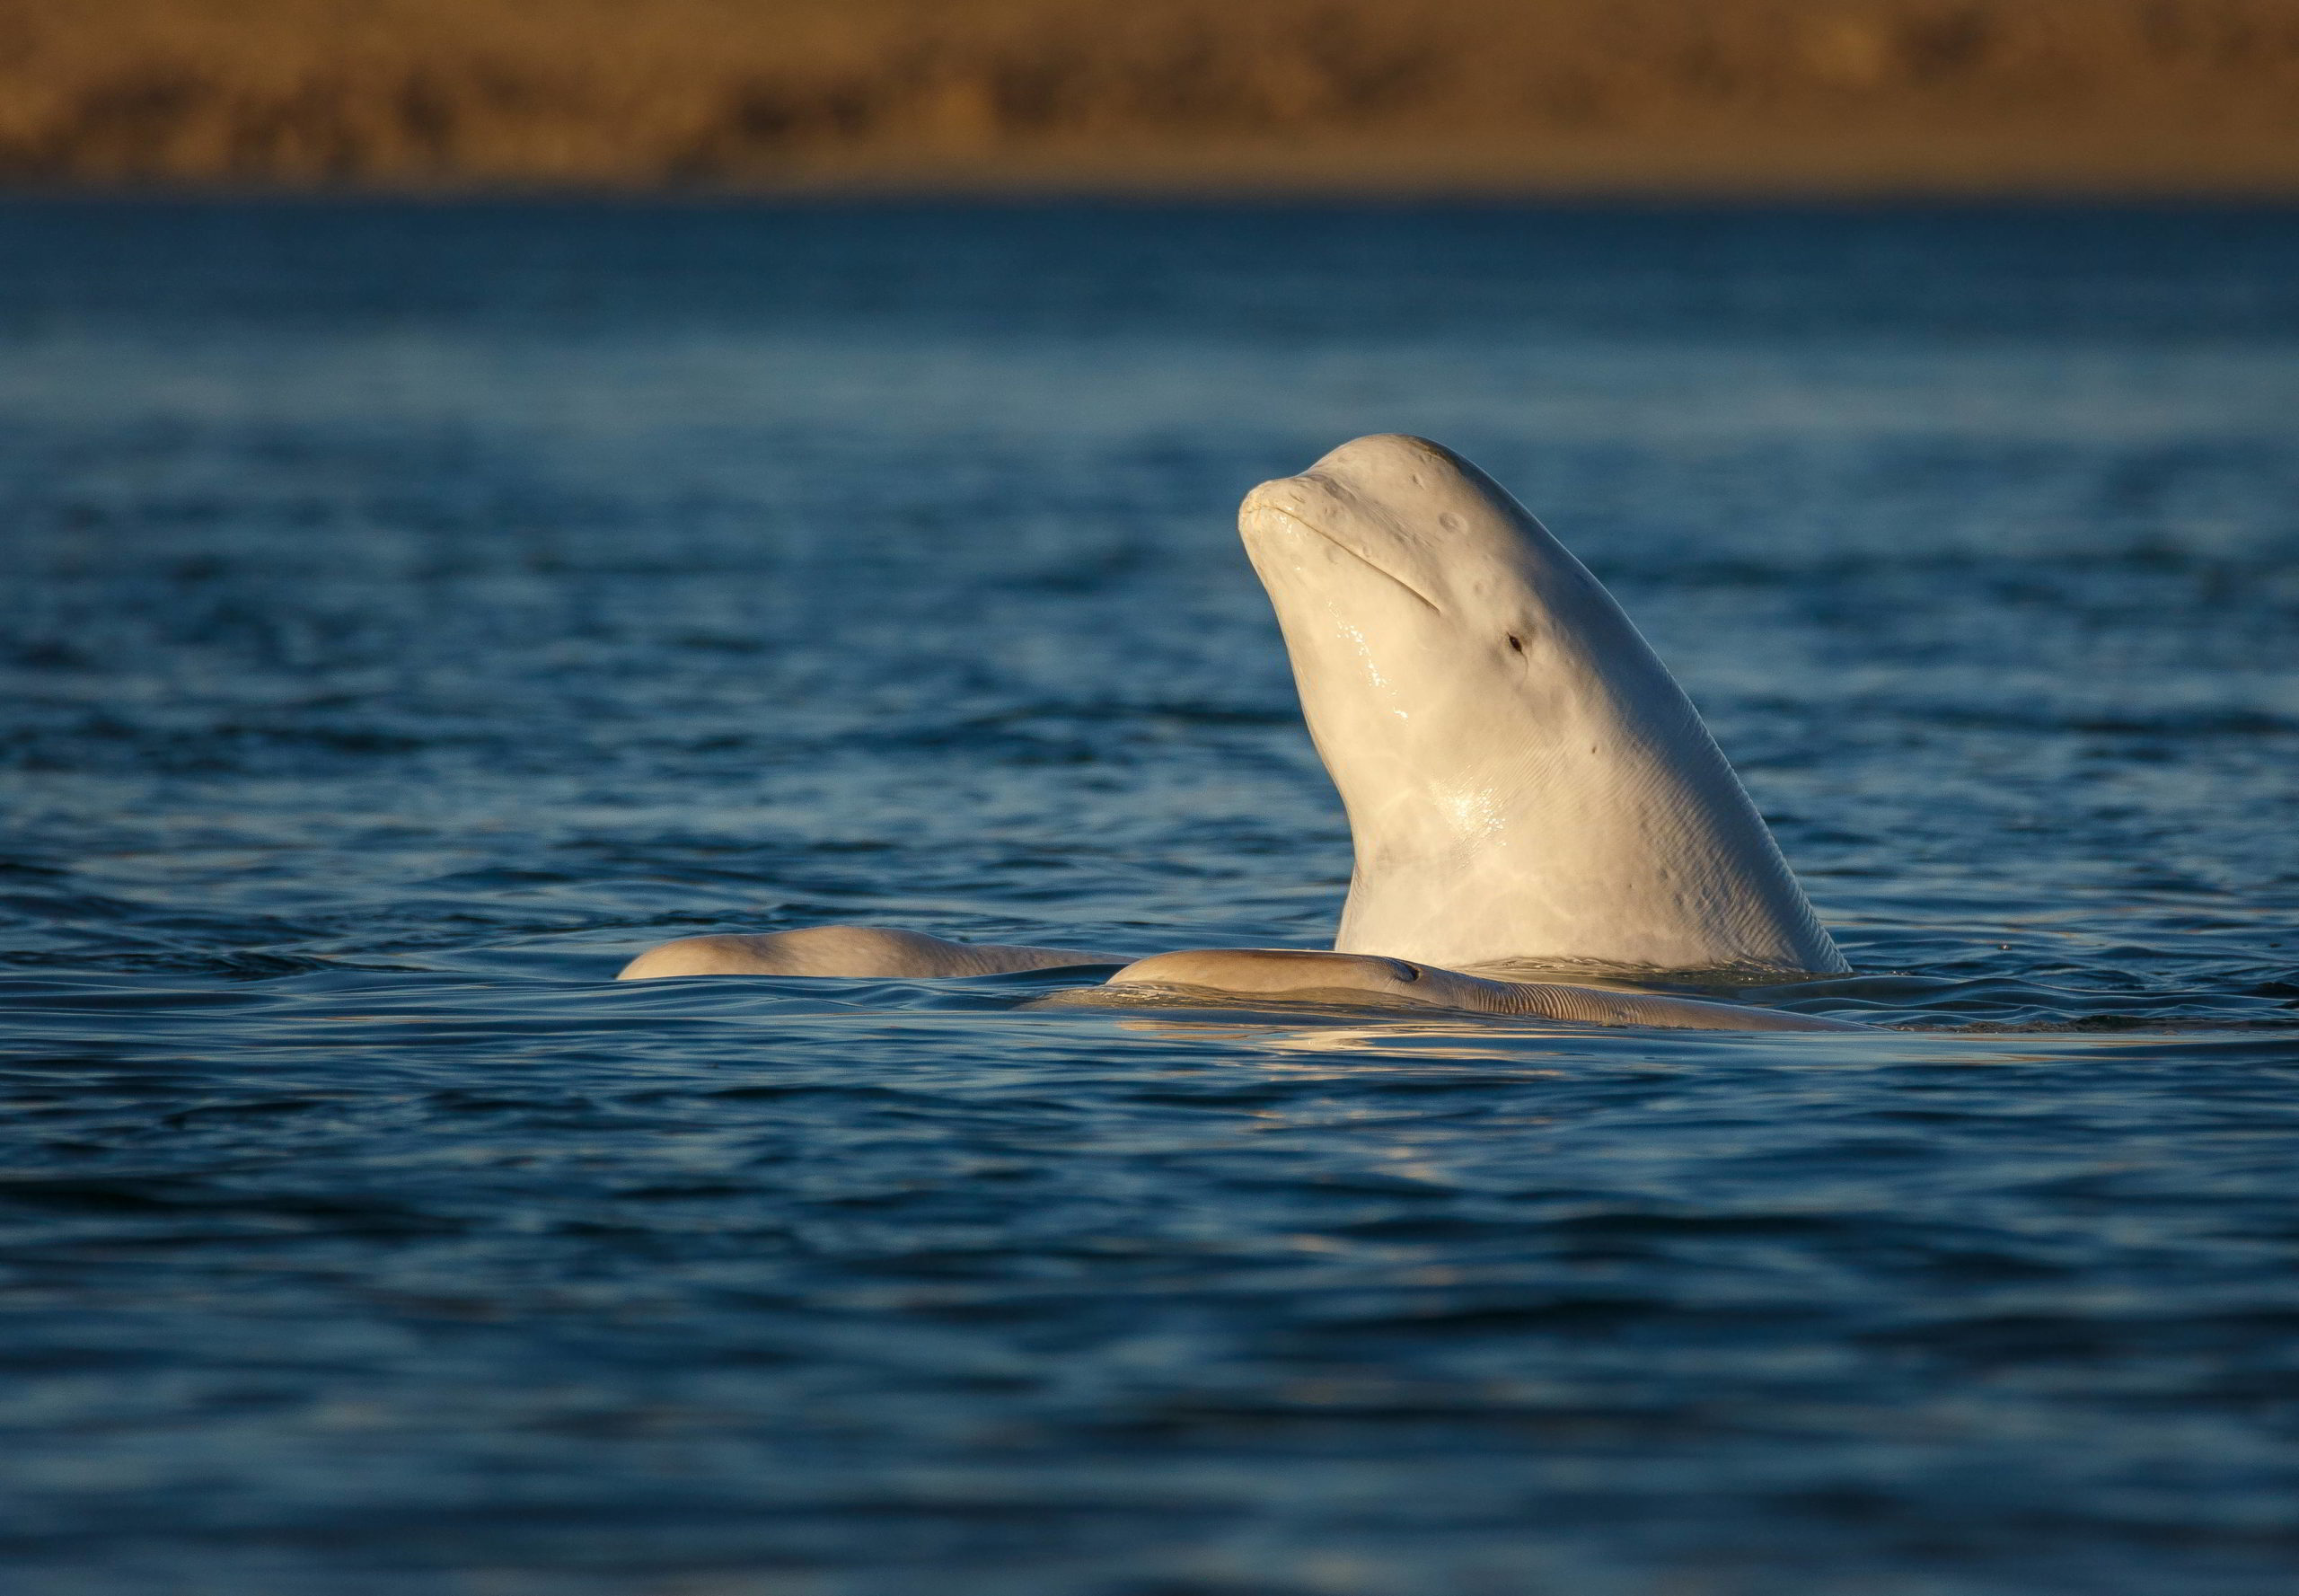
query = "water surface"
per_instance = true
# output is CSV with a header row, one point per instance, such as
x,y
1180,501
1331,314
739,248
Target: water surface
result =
x,y
414,610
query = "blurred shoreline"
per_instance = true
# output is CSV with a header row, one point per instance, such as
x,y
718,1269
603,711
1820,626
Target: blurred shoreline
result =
x,y
1754,98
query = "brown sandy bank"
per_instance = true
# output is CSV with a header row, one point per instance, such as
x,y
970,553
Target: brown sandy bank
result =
x,y
1782,96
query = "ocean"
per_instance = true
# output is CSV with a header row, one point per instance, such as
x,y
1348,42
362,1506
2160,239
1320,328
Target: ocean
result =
x,y
409,611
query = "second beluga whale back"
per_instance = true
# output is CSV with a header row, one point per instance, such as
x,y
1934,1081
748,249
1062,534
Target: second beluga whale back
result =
x,y
1525,780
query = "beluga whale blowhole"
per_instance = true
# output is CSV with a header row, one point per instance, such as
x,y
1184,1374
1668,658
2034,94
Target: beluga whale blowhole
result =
x,y
1527,789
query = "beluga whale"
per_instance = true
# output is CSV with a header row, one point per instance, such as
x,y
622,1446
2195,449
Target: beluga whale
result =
x,y
1528,790
1524,779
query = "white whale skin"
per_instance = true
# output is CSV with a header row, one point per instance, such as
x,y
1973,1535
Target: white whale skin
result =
x,y
1292,974
1523,778
856,952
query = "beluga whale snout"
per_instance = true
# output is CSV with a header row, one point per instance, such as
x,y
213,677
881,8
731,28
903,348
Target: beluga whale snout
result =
x,y
1524,779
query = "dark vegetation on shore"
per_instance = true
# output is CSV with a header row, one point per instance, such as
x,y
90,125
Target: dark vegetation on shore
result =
x,y
1785,95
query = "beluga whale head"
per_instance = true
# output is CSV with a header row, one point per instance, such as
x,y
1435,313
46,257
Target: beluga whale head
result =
x,y
1524,779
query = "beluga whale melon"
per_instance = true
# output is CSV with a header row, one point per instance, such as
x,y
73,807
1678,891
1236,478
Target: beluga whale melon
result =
x,y
1528,787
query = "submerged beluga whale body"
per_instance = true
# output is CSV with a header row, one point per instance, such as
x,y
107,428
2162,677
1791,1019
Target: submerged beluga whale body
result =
x,y
1526,786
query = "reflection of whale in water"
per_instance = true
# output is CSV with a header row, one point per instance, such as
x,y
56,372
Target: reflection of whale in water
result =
x,y
1526,786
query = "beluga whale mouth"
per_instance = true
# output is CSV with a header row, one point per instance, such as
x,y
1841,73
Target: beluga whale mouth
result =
x,y
1524,779
1274,505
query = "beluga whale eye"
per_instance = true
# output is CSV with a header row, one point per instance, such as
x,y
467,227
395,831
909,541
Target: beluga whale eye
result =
x,y
1516,644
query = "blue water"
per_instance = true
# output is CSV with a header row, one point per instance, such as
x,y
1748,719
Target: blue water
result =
x,y
412,612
